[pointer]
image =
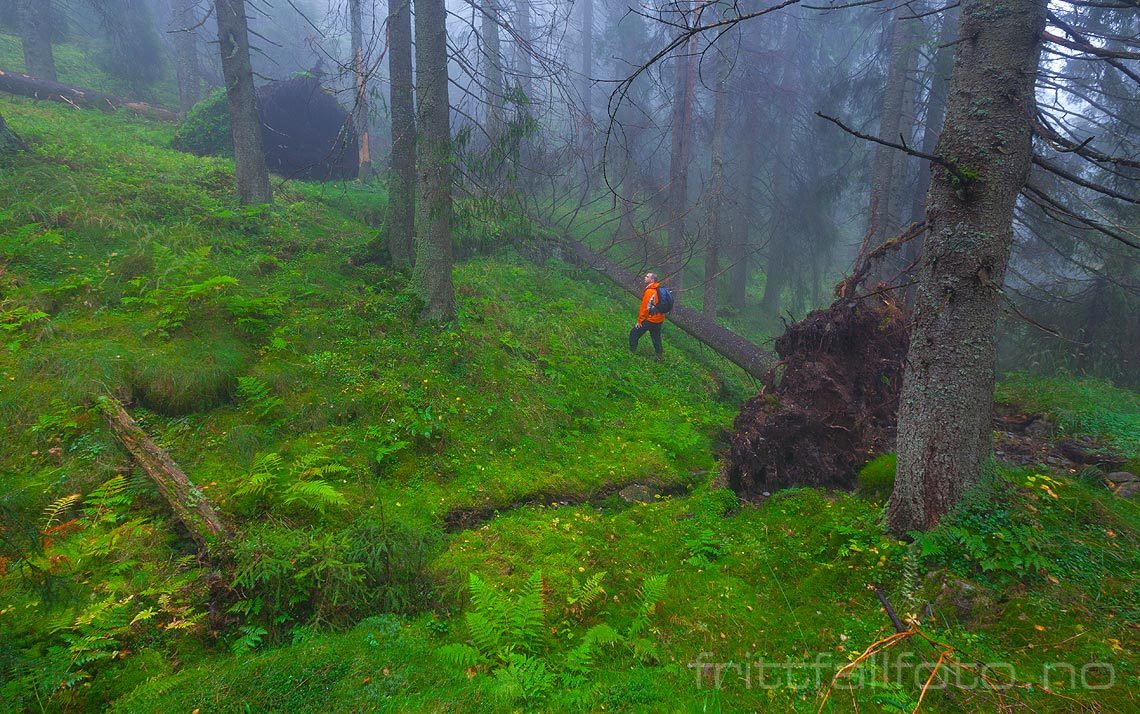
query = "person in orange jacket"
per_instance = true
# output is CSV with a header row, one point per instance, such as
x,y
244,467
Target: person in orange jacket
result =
x,y
648,321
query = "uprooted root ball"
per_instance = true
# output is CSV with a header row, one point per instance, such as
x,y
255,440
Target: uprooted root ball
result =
x,y
828,406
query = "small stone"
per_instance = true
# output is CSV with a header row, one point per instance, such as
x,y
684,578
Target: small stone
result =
x,y
1130,489
638,493
1119,477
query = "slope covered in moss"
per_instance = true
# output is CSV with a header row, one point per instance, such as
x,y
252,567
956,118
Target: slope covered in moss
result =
x,y
397,487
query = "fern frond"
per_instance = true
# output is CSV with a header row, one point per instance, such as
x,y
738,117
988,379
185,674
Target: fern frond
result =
x,y
484,598
652,590
107,494
317,495
485,632
57,507
523,679
583,595
527,614
461,655
262,475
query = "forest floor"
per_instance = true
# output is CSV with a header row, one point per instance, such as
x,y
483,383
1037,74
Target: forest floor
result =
x,y
375,466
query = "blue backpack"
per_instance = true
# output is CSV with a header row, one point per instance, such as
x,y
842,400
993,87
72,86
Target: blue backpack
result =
x,y
663,303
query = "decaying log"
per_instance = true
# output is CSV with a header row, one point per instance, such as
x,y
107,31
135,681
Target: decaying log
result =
x,y
24,86
744,354
189,503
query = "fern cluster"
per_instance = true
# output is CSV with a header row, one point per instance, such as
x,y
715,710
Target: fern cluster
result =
x,y
293,578
303,484
508,638
91,550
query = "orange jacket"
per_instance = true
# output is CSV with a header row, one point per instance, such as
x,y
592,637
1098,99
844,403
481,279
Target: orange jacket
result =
x,y
643,314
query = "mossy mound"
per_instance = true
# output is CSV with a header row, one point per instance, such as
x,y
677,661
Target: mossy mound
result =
x,y
188,374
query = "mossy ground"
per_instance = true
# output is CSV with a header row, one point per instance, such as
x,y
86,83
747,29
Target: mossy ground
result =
x,y
129,270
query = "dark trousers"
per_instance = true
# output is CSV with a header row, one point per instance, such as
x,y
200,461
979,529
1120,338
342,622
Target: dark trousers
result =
x,y
654,330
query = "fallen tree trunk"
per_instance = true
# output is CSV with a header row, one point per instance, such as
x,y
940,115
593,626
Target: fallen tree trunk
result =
x,y
24,86
189,503
744,354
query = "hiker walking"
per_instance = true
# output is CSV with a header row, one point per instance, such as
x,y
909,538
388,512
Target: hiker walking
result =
x,y
655,302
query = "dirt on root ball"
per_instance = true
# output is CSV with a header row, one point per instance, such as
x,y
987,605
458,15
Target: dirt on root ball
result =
x,y
828,406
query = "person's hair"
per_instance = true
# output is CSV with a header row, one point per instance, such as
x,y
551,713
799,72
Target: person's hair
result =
x,y
652,277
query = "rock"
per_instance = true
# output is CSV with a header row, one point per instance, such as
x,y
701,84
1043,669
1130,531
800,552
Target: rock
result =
x,y
639,493
1038,429
1129,489
1119,477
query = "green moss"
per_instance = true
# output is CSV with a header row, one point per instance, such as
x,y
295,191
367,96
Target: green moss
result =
x,y
876,480
189,374
206,129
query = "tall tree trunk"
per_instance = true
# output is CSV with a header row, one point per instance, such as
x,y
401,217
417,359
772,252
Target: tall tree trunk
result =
x,y
944,427
524,68
35,36
432,273
680,150
402,187
186,53
745,214
249,153
587,134
716,182
932,127
884,174
493,74
360,107
935,111
784,232
493,96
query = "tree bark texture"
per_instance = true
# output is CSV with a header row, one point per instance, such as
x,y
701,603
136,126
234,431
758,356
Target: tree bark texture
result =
x,y
250,172
432,272
25,86
402,188
35,36
186,53
187,501
680,150
944,427
744,354
360,106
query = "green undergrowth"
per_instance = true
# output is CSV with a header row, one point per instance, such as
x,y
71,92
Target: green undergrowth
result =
x,y
427,518
1079,407
74,66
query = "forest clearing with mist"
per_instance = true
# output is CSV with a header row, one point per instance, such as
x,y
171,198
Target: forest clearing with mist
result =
x,y
569,355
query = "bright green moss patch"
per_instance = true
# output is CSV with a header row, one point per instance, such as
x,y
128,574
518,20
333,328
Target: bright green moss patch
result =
x,y
877,478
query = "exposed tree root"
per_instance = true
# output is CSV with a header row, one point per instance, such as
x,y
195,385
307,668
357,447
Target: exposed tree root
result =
x,y
828,406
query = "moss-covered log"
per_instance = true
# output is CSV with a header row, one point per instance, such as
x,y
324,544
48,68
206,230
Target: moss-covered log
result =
x,y
24,86
744,354
191,506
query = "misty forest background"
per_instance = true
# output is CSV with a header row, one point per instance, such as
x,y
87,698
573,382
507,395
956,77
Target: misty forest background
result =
x,y
315,393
